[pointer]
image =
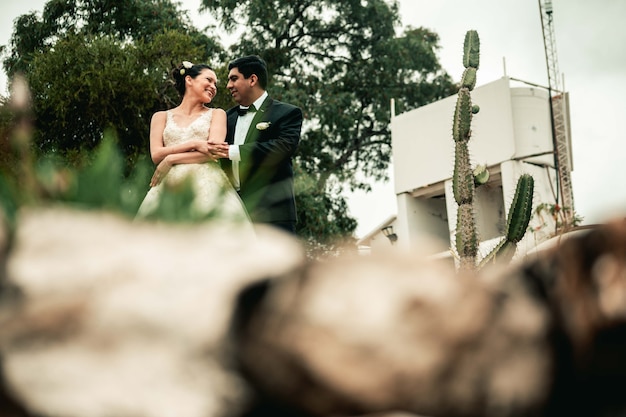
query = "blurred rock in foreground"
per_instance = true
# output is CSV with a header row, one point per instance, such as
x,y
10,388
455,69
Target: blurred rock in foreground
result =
x,y
116,318
546,337
105,317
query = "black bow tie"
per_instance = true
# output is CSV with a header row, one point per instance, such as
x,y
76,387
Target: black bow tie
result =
x,y
243,110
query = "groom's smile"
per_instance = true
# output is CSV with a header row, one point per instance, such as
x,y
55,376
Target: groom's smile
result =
x,y
240,87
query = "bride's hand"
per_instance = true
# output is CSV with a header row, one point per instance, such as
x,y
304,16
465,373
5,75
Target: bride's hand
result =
x,y
202,147
160,172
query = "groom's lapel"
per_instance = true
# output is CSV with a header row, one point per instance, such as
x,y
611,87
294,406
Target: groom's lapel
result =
x,y
253,132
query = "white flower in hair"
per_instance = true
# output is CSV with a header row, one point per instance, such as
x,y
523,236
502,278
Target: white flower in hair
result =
x,y
187,65
263,125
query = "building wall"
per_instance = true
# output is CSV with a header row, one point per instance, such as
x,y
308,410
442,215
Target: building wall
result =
x,y
532,129
423,148
421,219
511,134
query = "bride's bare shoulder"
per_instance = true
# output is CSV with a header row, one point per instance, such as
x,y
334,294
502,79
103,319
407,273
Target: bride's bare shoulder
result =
x,y
218,113
158,119
159,116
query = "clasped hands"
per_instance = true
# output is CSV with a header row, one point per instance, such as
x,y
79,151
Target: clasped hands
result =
x,y
214,151
217,150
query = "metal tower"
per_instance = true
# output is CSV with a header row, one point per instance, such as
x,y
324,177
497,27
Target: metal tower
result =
x,y
559,103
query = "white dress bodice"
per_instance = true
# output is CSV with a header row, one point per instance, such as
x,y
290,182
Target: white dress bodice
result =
x,y
214,195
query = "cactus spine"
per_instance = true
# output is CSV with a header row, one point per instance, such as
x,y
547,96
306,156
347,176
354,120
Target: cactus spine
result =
x,y
465,179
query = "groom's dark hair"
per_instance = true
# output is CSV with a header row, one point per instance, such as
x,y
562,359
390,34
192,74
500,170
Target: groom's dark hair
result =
x,y
251,64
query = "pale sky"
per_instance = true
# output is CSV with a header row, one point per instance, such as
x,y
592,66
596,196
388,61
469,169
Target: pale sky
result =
x,y
591,56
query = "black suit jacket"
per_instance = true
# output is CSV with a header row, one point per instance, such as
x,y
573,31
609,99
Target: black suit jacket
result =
x,y
265,169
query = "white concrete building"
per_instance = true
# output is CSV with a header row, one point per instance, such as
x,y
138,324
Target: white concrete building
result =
x,y
511,134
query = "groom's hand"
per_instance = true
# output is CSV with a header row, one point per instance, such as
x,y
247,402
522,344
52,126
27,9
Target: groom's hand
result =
x,y
218,150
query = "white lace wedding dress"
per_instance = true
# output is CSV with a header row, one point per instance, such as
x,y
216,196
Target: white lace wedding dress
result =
x,y
214,194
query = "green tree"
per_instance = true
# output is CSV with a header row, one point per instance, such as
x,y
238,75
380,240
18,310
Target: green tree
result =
x,y
125,20
89,83
342,62
98,64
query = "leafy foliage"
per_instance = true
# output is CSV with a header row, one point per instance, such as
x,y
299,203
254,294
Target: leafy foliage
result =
x,y
342,62
324,222
558,215
98,64
125,20
96,182
85,85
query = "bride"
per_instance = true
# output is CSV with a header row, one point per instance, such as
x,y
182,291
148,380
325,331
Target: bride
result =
x,y
179,146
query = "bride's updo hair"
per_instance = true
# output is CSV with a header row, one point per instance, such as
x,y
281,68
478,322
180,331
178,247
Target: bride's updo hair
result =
x,y
186,68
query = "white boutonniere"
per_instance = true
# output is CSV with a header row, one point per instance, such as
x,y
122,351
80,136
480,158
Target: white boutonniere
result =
x,y
263,125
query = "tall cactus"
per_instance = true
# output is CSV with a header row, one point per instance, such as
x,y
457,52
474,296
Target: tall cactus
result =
x,y
465,179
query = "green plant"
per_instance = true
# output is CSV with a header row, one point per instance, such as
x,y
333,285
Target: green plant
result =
x,y
558,215
89,180
465,179
519,216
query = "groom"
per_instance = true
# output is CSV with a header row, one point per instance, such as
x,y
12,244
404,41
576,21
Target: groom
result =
x,y
262,137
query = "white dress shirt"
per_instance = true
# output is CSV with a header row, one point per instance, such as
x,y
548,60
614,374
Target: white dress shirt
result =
x,y
241,131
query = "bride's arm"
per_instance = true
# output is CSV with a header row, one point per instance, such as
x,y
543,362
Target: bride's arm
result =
x,y
168,161
159,151
217,131
218,148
